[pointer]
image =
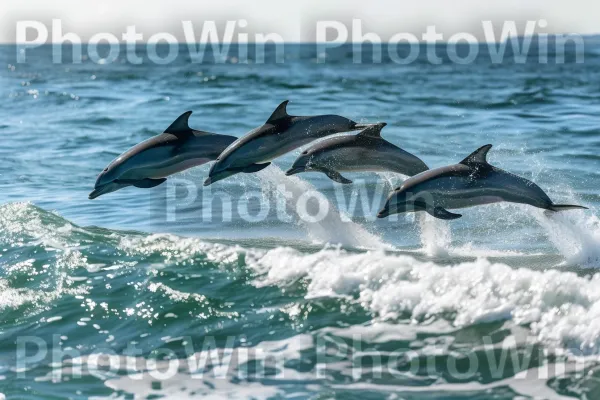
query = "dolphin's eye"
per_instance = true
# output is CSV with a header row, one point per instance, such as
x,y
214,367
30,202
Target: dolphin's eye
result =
x,y
305,152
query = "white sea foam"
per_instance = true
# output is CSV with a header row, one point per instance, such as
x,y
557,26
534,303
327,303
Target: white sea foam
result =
x,y
19,221
561,307
392,179
558,306
575,235
330,229
436,236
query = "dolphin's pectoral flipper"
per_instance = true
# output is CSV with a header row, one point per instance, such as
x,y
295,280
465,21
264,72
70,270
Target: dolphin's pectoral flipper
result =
x,y
563,207
148,183
442,213
337,177
334,175
255,167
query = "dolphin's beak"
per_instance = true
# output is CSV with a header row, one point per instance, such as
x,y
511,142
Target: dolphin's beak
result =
x,y
106,188
218,176
95,193
383,213
215,178
295,170
99,191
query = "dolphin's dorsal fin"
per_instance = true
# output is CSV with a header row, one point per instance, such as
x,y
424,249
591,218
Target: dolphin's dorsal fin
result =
x,y
478,157
180,125
373,130
279,114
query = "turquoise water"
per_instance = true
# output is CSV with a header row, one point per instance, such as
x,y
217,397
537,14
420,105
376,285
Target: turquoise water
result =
x,y
121,285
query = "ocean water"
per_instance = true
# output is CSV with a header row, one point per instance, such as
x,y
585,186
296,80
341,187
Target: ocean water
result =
x,y
162,293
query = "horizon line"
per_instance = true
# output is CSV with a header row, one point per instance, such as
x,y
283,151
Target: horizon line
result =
x,y
285,42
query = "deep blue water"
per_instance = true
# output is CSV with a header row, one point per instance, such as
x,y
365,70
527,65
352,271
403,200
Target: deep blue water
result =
x,y
145,268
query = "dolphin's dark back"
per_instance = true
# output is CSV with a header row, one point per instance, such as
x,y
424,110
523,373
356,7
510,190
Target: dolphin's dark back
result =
x,y
280,134
174,150
455,170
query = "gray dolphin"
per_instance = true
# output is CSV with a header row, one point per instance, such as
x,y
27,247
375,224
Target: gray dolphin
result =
x,y
280,134
470,183
149,163
366,151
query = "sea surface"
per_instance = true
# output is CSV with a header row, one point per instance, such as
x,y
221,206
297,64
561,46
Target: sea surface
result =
x,y
164,293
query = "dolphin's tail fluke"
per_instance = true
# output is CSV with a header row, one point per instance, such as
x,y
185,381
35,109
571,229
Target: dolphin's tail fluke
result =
x,y
564,207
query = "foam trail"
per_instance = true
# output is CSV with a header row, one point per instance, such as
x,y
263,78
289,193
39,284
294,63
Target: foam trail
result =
x,y
392,179
575,235
395,286
330,229
436,236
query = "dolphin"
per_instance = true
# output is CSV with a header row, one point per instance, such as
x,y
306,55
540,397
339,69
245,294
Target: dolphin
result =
x,y
148,163
470,183
366,151
280,134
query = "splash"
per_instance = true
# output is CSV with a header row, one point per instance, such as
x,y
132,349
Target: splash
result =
x,y
401,287
436,236
392,179
333,227
574,234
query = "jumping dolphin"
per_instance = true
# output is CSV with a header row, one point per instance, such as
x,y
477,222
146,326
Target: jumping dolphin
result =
x,y
470,183
366,151
280,134
148,163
